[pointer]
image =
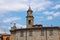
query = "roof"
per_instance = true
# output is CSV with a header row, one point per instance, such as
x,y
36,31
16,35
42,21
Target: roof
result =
x,y
36,28
38,25
5,34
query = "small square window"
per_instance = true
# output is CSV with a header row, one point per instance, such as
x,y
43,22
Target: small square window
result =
x,y
29,21
42,32
21,34
30,33
51,32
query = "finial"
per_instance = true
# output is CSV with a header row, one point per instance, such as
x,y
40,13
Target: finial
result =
x,y
29,8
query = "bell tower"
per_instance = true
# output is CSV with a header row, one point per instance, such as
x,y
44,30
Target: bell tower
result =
x,y
29,18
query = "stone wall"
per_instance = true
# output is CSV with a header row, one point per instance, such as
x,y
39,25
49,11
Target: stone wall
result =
x,y
36,35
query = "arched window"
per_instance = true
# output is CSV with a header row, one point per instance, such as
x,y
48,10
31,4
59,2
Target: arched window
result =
x,y
29,21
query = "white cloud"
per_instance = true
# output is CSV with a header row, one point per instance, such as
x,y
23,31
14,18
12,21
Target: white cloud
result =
x,y
40,5
49,18
51,15
55,14
6,29
56,6
13,5
2,12
23,4
39,17
19,26
11,19
47,13
3,29
1,32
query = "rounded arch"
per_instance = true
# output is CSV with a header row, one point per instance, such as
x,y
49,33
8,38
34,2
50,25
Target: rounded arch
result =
x,y
7,38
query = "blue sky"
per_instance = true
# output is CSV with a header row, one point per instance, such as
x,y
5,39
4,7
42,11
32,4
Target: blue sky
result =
x,y
46,12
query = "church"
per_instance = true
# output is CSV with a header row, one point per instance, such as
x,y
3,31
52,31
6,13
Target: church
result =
x,y
34,32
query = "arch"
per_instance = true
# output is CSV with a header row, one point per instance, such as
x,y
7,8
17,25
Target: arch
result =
x,y
7,38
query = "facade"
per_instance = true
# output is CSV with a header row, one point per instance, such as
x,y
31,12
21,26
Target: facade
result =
x,y
34,32
5,37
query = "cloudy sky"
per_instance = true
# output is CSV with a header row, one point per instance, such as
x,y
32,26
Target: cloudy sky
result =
x,y
46,12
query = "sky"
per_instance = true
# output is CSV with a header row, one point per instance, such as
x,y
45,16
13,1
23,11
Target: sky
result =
x,y
45,12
